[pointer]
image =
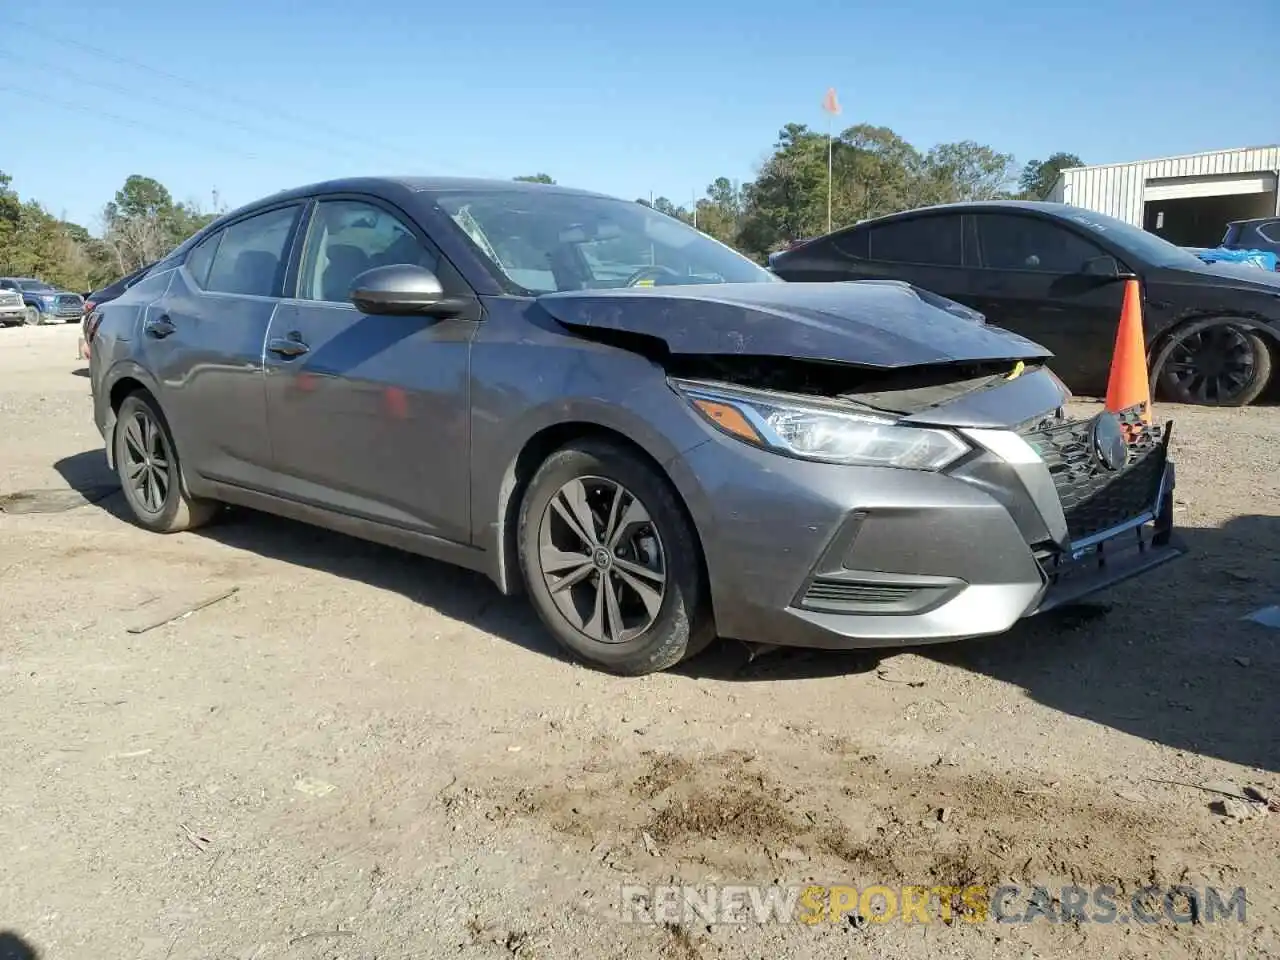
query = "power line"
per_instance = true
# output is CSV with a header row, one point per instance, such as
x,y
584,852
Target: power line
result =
x,y
113,117
65,74
221,95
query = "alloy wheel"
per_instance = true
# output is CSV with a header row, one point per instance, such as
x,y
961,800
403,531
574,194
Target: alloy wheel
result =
x,y
602,560
148,463
31,317
1213,365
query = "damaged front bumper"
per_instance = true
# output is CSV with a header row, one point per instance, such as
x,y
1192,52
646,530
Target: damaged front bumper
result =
x,y
863,557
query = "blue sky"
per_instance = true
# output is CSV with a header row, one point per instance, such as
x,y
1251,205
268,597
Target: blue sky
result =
x,y
624,98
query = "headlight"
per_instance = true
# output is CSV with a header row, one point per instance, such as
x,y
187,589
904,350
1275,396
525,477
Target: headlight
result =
x,y
813,431
47,298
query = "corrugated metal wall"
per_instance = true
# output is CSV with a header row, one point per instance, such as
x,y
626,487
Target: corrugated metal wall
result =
x,y
1116,189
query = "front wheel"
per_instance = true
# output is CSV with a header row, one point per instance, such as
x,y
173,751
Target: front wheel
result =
x,y
147,463
1216,364
31,317
611,562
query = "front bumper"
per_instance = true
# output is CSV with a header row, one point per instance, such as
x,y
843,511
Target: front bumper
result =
x,y
13,314
802,554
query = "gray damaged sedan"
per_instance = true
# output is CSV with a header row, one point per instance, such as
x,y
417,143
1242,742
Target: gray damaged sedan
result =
x,y
656,439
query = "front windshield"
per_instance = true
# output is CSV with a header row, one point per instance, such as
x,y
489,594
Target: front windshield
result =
x,y
547,241
1147,246
35,286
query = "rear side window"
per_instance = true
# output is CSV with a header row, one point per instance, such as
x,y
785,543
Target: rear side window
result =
x,y
201,259
934,241
1008,242
250,259
1270,231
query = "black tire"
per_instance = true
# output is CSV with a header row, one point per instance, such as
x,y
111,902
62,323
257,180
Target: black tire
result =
x,y
682,625
1246,352
141,430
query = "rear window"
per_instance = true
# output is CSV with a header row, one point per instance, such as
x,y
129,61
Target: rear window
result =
x,y
1233,234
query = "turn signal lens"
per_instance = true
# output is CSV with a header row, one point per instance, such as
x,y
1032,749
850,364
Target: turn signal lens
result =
x,y
728,419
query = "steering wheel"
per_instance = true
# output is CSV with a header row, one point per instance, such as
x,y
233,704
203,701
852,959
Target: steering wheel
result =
x,y
655,271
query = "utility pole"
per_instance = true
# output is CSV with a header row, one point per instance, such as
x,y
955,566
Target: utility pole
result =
x,y
829,153
831,104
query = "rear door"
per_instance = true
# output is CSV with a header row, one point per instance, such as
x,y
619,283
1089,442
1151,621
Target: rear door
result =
x,y
369,414
1028,277
923,250
204,340
926,251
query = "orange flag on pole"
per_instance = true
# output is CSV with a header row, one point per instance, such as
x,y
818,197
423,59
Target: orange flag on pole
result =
x,y
830,103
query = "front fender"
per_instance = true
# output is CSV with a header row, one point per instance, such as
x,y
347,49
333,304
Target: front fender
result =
x,y
528,398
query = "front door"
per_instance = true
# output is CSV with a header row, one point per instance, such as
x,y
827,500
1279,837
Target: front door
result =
x,y
1028,277
369,414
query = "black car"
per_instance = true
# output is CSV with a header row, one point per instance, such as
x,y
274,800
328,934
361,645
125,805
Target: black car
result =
x,y
1260,234
1052,273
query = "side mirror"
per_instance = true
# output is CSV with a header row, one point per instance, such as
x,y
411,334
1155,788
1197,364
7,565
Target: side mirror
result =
x,y
1105,267
403,289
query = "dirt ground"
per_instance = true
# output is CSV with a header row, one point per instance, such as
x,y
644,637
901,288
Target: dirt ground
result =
x,y
360,754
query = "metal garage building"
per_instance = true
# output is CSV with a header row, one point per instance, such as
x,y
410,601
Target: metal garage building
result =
x,y
1187,200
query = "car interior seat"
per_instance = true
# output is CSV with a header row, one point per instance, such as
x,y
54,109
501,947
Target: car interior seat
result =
x,y
345,264
255,273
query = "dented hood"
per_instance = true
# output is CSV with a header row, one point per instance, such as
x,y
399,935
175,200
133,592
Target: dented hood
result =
x,y
865,323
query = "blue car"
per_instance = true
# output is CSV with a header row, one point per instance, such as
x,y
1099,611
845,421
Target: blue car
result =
x,y
44,303
1260,234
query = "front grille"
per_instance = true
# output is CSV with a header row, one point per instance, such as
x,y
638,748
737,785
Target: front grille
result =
x,y
1094,498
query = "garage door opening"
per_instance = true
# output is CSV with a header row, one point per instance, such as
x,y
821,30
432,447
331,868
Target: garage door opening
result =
x,y
1202,221
1195,211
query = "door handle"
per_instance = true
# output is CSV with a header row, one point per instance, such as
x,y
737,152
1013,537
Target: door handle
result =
x,y
160,328
289,347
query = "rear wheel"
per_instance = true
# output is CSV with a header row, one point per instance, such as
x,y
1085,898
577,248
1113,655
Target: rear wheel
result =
x,y
611,563
147,463
1216,364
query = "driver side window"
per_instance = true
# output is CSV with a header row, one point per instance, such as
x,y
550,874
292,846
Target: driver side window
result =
x,y
1011,242
348,237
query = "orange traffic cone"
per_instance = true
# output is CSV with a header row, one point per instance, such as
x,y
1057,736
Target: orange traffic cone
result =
x,y
1129,386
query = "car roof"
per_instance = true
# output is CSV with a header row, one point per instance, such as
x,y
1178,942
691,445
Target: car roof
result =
x,y
421,184
1251,220
1061,210
387,187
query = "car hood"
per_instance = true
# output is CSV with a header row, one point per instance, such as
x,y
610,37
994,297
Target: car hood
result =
x,y
867,323
1243,275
